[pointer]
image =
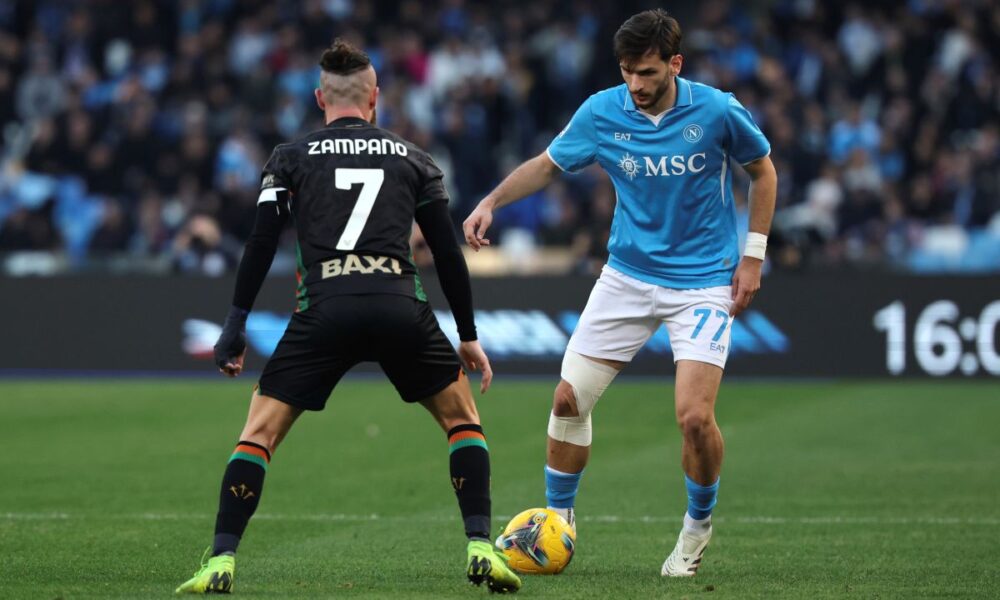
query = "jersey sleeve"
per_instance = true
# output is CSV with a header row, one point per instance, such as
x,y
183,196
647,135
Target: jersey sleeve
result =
x,y
576,146
275,178
432,182
746,141
453,274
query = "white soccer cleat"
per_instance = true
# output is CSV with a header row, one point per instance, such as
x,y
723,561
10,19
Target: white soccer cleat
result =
x,y
686,557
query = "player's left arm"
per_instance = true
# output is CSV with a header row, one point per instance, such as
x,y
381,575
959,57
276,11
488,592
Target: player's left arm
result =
x,y
272,213
763,191
258,255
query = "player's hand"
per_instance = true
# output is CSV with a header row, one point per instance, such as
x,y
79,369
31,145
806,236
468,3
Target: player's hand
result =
x,y
476,225
231,349
474,359
746,282
233,366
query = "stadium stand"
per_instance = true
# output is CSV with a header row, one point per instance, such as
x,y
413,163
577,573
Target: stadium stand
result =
x,y
133,133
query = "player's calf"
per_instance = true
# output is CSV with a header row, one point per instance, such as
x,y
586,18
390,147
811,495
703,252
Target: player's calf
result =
x,y
468,455
242,485
469,463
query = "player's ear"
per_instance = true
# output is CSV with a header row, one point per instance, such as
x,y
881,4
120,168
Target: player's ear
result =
x,y
319,99
372,102
676,64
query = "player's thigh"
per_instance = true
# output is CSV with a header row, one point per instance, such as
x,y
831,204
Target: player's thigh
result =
x,y
698,323
311,357
696,390
618,319
413,352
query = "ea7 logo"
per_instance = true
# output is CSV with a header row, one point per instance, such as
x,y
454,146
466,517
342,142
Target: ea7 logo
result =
x,y
622,137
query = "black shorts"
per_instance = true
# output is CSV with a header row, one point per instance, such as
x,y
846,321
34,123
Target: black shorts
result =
x,y
326,340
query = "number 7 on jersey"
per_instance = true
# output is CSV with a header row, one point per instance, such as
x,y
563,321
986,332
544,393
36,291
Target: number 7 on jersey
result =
x,y
371,182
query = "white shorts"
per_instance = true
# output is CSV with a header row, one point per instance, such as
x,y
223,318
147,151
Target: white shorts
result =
x,y
623,312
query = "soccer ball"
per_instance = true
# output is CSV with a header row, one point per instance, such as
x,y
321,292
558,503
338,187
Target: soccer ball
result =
x,y
538,541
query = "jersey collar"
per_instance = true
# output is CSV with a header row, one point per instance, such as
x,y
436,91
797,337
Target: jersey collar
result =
x,y
685,96
347,122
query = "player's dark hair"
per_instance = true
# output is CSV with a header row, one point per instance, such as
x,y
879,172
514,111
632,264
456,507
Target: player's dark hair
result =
x,y
344,58
651,30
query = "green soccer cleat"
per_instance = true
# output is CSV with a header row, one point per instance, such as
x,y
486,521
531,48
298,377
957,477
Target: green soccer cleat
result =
x,y
489,565
214,577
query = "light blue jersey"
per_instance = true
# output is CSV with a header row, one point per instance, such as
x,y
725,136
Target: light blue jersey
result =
x,y
675,223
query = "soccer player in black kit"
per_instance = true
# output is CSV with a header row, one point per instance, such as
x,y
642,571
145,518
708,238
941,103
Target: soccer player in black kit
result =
x,y
353,191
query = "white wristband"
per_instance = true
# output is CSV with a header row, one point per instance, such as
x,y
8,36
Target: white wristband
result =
x,y
756,245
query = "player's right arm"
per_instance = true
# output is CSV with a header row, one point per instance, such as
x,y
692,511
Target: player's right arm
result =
x,y
531,176
573,149
272,214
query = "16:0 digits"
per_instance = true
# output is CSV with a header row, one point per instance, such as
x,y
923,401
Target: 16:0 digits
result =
x,y
938,337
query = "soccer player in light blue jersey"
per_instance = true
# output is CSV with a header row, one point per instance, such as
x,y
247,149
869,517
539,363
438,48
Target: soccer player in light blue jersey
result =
x,y
667,143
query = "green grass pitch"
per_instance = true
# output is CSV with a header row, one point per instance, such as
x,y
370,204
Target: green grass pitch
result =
x,y
830,490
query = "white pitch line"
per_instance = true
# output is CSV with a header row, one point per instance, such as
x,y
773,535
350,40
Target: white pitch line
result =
x,y
353,518
54,516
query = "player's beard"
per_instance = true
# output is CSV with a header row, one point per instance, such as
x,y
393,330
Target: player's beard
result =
x,y
374,118
656,96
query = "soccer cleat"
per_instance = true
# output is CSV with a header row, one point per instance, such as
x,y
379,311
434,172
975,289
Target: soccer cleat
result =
x,y
686,557
489,565
214,577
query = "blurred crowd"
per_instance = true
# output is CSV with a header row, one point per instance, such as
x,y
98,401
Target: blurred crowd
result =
x,y
133,133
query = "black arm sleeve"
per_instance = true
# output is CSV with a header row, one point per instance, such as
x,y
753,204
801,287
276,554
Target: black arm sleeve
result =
x,y
260,249
438,230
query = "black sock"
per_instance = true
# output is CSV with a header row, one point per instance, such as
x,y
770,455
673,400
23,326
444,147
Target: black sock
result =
x,y
470,476
242,485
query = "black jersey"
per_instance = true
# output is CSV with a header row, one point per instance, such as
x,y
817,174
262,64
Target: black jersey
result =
x,y
353,189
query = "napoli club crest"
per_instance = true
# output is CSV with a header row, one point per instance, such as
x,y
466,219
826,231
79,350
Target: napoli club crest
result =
x,y
693,133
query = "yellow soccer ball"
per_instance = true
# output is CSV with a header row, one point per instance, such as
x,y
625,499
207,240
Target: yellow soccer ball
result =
x,y
538,541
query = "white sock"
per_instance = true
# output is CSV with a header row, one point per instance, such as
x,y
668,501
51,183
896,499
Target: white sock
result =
x,y
697,526
562,512
566,513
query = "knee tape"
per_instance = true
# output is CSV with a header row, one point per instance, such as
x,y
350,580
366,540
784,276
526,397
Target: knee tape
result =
x,y
575,430
588,380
